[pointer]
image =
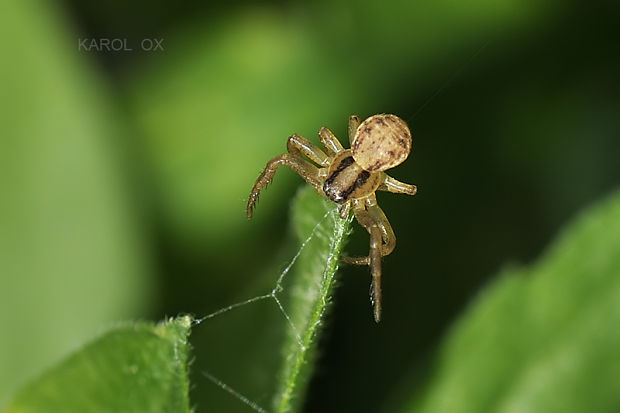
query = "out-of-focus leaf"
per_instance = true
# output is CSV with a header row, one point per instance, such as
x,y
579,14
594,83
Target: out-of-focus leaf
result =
x,y
133,368
544,338
71,254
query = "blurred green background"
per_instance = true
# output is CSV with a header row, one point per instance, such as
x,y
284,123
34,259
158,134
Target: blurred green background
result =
x,y
124,174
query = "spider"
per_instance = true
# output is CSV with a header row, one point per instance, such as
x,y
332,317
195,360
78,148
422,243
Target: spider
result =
x,y
350,177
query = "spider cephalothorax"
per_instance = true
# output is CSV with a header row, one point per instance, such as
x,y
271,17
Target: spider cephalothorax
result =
x,y
350,178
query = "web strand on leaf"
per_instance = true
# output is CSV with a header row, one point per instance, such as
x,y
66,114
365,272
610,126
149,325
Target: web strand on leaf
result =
x,y
273,294
235,393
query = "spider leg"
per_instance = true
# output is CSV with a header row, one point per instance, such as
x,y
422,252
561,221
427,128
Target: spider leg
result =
x,y
344,210
297,144
392,185
382,242
354,122
370,215
387,233
305,169
375,272
329,140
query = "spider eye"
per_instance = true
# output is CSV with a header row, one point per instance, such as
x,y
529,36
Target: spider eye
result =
x,y
381,142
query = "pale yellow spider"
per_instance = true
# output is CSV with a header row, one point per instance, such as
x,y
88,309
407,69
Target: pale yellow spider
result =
x,y
350,177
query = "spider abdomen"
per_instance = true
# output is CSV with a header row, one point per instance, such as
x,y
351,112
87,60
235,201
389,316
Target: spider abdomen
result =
x,y
381,142
347,180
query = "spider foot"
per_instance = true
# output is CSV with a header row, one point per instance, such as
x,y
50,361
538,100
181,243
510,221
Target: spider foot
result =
x,y
355,260
252,200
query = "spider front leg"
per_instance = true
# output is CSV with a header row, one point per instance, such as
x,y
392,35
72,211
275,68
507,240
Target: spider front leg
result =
x,y
296,145
382,243
375,272
369,215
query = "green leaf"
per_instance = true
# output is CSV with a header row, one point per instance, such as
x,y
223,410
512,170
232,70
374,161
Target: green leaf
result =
x,y
139,367
310,291
544,338
72,253
301,279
